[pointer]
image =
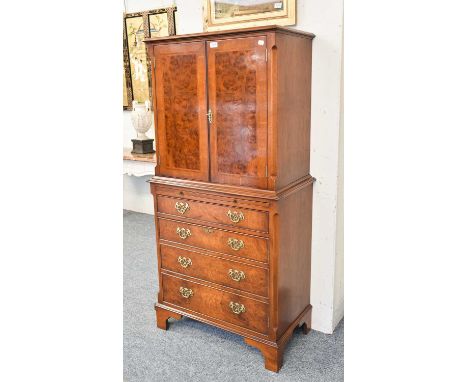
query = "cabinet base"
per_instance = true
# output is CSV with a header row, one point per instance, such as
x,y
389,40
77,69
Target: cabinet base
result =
x,y
162,315
272,351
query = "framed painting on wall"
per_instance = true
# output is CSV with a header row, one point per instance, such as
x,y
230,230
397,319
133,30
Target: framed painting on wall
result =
x,y
137,68
234,14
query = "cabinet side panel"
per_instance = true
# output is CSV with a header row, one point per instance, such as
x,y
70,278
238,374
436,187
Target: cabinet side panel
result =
x,y
294,55
294,262
154,192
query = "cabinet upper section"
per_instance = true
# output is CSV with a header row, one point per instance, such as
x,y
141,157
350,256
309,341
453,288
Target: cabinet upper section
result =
x,y
233,107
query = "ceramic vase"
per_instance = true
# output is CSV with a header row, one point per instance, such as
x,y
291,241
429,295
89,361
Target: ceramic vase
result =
x,y
141,118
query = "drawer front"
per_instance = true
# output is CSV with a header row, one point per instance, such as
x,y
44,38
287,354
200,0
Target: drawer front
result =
x,y
232,243
225,272
233,216
225,306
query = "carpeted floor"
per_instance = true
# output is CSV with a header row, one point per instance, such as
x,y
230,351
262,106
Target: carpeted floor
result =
x,y
192,351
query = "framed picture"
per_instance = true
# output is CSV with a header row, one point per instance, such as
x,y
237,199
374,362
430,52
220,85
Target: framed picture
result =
x,y
233,14
137,68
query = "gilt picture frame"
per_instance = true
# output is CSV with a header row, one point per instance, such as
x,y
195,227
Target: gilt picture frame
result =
x,y
136,65
235,14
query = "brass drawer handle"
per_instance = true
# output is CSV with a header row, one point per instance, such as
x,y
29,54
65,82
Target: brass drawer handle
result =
x,y
186,292
235,216
183,233
184,262
237,308
182,207
236,275
235,244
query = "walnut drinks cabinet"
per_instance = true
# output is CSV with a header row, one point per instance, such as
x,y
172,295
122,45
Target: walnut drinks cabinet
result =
x,y
232,190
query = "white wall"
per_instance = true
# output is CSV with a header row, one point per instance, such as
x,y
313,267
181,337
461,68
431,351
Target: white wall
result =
x,y
324,19
136,194
338,300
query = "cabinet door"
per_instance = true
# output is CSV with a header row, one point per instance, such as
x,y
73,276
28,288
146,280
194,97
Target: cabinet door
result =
x,y
237,82
182,127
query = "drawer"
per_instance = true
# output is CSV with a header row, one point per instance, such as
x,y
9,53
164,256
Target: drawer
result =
x,y
214,269
216,303
213,239
208,212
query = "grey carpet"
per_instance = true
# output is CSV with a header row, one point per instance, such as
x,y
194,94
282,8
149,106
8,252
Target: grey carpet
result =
x,y
192,351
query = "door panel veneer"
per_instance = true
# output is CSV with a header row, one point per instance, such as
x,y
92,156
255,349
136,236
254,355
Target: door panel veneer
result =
x,y
181,110
237,79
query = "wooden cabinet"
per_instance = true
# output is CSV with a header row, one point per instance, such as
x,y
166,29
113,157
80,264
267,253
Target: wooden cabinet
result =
x,y
232,189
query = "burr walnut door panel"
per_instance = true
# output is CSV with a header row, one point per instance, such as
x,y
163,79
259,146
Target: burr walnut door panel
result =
x,y
237,83
182,126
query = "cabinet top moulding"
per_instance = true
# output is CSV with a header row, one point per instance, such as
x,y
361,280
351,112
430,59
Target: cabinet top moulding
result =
x,y
238,32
